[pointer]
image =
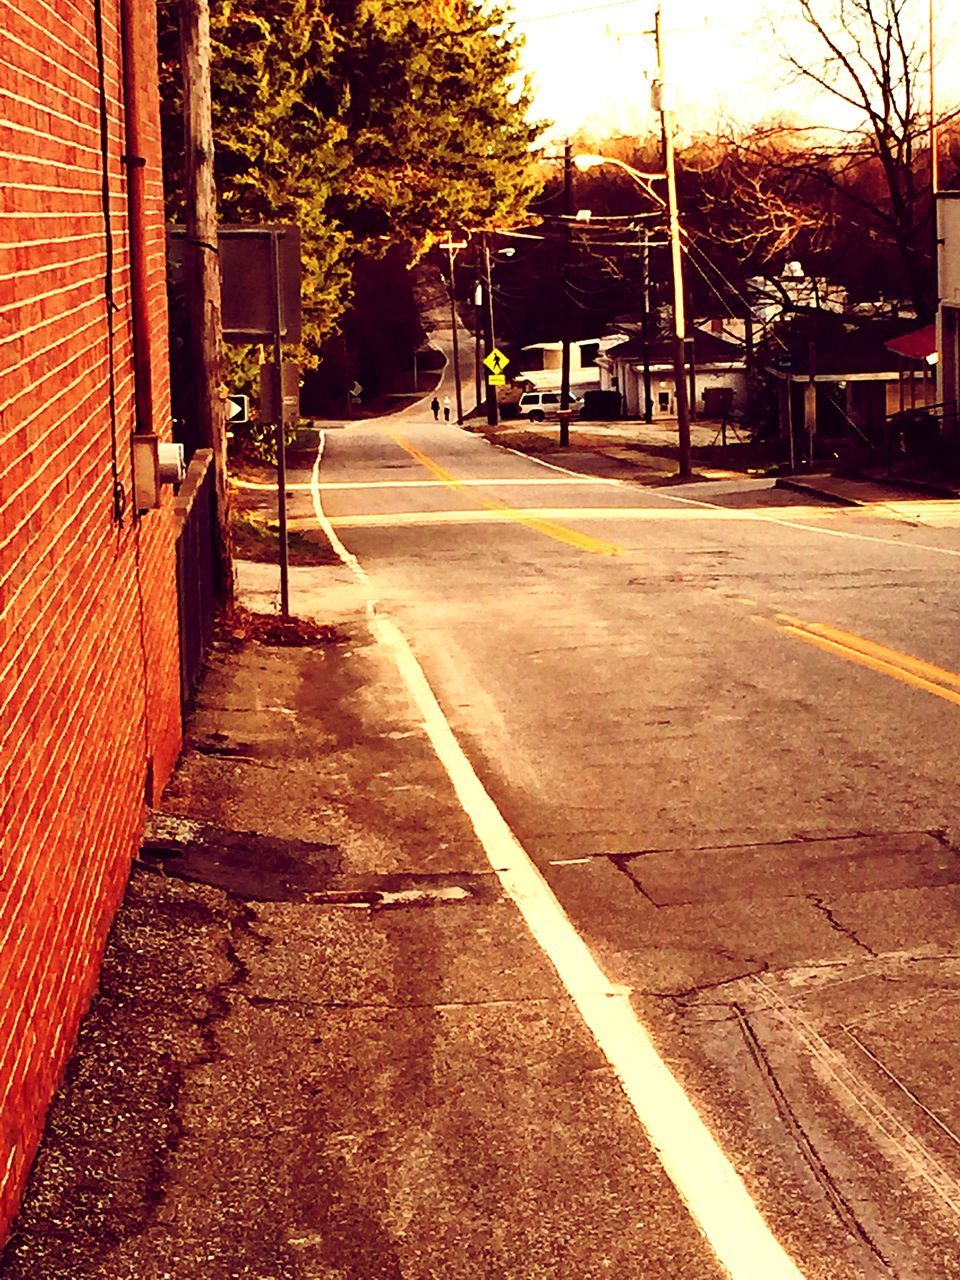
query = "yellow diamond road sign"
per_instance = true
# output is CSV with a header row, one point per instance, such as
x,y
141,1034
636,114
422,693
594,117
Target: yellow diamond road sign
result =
x,y
496,361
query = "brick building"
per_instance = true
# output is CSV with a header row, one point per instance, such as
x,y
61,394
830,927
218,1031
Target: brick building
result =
x,y
89,670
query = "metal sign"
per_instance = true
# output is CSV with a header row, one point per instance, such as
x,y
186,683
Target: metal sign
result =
x,y
238,409
246,282
496,379
496,361
247,263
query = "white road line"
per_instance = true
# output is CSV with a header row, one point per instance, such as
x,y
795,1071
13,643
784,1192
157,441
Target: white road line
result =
x,y
671,515
760,516
710,1187
492,483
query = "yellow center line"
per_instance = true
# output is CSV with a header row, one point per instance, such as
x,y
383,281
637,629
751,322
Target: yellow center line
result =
x,y
549,528
891,662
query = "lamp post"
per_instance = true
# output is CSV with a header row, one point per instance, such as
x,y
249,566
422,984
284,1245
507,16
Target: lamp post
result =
x,y
644,181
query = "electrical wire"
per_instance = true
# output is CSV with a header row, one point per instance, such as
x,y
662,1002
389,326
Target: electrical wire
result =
x,y
598,217
572,13
688,246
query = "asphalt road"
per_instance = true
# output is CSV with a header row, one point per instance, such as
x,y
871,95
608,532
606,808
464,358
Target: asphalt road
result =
x,y
721,720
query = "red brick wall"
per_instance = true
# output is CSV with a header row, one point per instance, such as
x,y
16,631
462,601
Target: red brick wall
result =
x,y
89,683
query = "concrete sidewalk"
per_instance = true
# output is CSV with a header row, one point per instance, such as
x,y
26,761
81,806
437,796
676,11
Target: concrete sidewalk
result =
x,y
324,1045
862,490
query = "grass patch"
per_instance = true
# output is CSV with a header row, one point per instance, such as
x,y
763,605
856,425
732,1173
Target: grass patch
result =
x,y
257,538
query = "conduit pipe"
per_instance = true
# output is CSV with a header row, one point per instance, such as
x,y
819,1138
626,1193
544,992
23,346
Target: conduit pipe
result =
x,y
135,163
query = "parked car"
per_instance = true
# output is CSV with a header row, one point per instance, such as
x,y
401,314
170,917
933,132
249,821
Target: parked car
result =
x,y
538,405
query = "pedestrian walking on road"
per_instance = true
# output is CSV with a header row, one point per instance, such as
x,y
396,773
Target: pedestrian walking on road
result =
x,y
435,406
446,408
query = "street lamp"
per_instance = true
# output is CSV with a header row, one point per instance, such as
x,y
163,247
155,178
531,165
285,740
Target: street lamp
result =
x,y
644,180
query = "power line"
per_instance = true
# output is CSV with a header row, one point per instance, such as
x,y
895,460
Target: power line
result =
x,y
572,13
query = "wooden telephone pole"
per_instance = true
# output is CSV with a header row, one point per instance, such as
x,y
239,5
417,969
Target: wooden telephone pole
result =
x,y
493,407
203,269
564,295
679,318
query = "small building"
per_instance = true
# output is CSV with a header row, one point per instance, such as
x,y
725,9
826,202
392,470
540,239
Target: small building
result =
x,y
546,359
775,296
719,377
843,376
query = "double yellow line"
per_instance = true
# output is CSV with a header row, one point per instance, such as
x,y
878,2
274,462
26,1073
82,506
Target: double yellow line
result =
x,y
889,662
843,644
549,528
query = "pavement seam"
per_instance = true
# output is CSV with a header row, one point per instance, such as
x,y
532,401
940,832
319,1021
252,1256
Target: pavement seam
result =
x,y
841,1207
904,1144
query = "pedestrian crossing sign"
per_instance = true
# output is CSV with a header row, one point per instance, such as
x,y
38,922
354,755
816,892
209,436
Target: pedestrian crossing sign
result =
x,y
496,361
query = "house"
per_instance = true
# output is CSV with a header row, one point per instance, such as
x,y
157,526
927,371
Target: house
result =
x,y
773,297
948,316
546,360
841,376
719,378
90,706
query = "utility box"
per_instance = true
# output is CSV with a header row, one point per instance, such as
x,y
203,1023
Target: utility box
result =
x,y
155,464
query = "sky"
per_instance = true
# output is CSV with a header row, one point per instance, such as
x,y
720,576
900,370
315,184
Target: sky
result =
x,y
592,66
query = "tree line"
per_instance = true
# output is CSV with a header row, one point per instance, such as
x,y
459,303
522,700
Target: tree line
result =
x,y
379,125
372,124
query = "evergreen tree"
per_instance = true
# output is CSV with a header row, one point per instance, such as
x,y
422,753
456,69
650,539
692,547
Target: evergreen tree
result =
x,y
366,122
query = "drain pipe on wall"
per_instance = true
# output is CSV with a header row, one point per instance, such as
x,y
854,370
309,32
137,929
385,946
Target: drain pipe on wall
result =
x,y
135,164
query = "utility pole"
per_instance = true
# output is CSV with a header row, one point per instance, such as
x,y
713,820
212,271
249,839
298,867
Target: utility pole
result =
x,y
564,298
203,273
453,326
477,329
692,368
934,158
280,432
679,320
645,328
493,408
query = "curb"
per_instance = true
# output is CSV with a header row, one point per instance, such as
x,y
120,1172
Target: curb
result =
x,y
802,486
929,487
892,482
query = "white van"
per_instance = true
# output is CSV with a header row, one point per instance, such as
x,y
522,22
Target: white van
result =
x,y
537,405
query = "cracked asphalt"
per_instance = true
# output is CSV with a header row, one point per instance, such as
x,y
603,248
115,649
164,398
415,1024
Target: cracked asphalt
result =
x,y
326,1045
754,836
323,1044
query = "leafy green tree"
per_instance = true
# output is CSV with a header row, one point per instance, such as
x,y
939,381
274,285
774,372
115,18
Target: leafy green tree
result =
x,y
370,123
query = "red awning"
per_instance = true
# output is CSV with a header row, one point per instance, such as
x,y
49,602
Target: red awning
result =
x,y
915,345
